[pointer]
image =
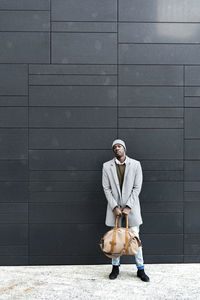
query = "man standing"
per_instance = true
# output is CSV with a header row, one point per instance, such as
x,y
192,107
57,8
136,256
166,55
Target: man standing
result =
x,y
122,181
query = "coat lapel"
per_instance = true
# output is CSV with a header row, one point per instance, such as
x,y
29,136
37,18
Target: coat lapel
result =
x,y
114,172
128,163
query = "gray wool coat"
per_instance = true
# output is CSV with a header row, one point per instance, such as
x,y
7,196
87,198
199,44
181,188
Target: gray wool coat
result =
x,y
131,188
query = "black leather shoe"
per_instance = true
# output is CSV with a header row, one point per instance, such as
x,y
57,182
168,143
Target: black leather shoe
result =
x,y
141,274
114,273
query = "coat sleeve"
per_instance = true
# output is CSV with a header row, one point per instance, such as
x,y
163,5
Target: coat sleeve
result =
x,y
136,188
107,189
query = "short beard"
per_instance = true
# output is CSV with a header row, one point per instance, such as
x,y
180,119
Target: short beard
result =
x,y
119,156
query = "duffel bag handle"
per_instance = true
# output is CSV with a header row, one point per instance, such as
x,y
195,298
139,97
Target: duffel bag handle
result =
x,y
126,216
116,222
117,219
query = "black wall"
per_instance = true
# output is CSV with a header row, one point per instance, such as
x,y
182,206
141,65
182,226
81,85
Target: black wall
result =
x,y
75,75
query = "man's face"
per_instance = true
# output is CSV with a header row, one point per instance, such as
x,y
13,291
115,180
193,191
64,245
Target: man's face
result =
x,y
119,150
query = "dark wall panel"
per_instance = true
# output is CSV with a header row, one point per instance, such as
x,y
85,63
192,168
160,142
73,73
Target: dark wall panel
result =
x,y
25,5
66,175
192,91
164,207
192,122
76,138
151,112
13,244
154,96
63,197
192,148
192,101
162,11
84,26
14,192
13,213
24,21
67,159
192,224
192,75
192,170
71,80
13,100
162,191
14,117
75,75
158,33
54,239
163,219
172,244
75,186
73,95
13,79
14,143
14,170
145,54
18,234
42,69
72,117
89,10
192,242
24,47
150,123
55,212
151,75
96,48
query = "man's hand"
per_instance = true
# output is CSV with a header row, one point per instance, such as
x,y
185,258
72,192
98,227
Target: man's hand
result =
x,y
126,210
117,211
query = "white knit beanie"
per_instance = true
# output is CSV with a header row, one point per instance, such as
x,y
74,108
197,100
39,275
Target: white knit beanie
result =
x,y
119,142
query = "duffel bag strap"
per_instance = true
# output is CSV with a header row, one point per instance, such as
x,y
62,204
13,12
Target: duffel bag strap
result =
x,y
126,234
113,243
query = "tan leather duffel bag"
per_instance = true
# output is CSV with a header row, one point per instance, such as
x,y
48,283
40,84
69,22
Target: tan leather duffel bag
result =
x,y
119,241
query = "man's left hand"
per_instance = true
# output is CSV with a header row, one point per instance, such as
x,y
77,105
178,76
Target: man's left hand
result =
x,y
126,210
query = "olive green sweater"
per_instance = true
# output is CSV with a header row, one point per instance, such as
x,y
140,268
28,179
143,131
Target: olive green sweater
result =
x,y
120,173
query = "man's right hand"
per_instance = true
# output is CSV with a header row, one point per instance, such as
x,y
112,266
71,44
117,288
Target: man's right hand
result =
x,y
117,212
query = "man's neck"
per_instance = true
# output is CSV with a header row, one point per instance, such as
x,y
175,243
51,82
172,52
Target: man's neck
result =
x,y
121,159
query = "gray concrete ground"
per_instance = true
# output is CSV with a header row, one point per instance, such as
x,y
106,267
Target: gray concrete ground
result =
x,y
85,282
